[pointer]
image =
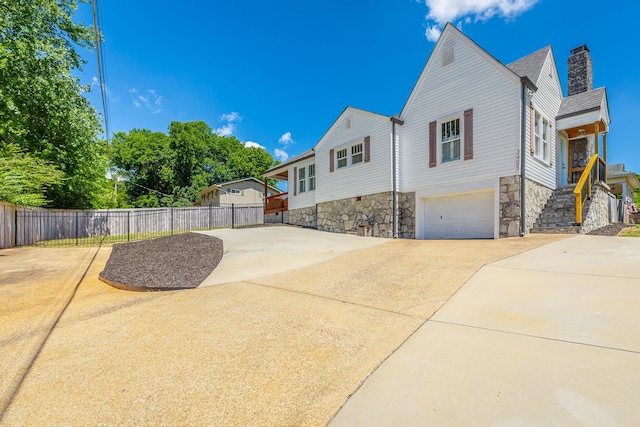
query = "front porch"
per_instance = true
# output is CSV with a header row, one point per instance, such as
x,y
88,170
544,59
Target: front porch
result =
x,y
278,202
582,127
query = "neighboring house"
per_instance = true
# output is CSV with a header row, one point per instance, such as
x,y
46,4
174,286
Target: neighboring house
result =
x,y
623,183
450,164
242,191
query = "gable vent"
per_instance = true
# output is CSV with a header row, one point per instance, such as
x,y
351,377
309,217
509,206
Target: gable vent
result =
x,y
447,56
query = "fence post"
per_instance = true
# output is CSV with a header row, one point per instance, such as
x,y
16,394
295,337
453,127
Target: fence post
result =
x,y
128,226
171,219
15,227
77,228
233,219
209,216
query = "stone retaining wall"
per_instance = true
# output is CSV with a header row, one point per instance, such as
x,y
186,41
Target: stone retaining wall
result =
x,y
374,211
597,211
536,197
304,217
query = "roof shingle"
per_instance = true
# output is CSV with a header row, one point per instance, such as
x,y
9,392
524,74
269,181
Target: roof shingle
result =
x,y
582,102
531,65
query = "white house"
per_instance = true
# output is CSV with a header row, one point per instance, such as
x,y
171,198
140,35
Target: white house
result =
x,y
449,165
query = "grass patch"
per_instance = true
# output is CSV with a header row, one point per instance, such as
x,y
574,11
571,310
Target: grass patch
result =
x,y
634,231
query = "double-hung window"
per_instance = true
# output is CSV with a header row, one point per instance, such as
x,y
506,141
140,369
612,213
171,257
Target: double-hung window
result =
x,y
342,158
312,177
541,137
356,153
301,180
450,133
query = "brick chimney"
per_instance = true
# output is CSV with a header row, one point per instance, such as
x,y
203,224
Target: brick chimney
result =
x,y
580,72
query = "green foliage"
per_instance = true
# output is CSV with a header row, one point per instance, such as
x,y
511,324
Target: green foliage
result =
x,y
42,108
636,194
24,177
169,170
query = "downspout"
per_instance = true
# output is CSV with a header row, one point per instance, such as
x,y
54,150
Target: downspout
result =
x,y
526,84
394,179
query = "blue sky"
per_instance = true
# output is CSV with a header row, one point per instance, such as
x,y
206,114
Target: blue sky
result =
x,y
279,73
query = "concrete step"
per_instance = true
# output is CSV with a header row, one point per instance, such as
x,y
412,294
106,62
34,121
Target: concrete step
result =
x,y
557,230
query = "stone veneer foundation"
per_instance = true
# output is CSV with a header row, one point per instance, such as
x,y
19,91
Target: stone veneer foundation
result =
x,y
373,211
304,217
536,197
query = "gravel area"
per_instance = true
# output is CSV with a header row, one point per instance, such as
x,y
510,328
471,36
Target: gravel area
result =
x,y
181,261
609,230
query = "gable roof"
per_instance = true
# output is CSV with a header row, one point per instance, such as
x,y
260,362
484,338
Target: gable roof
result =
x,y
349,109
583,102
450,28
531,65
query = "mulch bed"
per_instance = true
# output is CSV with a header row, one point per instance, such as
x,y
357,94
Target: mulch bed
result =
x,y
181,261
609,230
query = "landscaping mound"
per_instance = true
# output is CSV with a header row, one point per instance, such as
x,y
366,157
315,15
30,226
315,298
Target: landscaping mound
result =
x,y
181,261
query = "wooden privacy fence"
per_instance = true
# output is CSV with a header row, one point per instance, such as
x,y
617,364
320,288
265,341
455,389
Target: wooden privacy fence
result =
x,y
23,226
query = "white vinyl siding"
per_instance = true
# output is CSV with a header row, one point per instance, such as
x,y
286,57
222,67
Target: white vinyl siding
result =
x,y
546,101
306,198
358,179
473,81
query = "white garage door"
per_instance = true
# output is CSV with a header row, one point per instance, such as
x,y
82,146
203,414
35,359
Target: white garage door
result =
x,y
463,216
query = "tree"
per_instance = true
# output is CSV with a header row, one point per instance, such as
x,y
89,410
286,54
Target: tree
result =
x,y
145,161
170,170
23,177
42,108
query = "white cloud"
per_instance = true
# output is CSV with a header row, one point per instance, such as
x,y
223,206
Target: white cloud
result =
x,y
234,116
228,128
443,11
281,155
225,130
432,33
151,102
286,139
252,144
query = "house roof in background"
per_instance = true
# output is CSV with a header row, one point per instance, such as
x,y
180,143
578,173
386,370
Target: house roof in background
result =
x,y
224,184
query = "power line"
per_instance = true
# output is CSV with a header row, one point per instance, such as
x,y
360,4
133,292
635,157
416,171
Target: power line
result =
x,y
101,66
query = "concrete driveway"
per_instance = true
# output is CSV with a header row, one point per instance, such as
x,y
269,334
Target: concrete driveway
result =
x,y
547,337
250,253
288,348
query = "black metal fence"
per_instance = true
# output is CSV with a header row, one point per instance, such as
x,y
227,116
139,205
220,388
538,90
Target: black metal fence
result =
x,y
90,227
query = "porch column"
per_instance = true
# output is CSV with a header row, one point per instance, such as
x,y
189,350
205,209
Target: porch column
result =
x,y
596,127
604,154
266,194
